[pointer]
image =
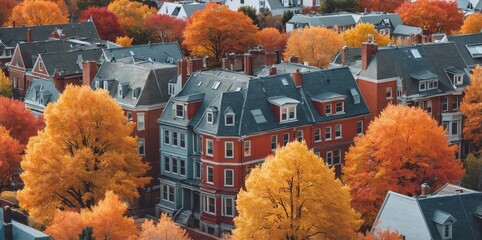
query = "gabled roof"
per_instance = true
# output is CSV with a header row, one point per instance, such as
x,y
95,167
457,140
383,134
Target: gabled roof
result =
x,y
449,188
376,18
151,80
190,9
85,31
404,30
156,52
341,19
69,62
30,50
462,41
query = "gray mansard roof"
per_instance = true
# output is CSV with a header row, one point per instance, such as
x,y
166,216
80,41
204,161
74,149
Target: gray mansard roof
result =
x,y
250,100
150,79
30,50
156,52
470,47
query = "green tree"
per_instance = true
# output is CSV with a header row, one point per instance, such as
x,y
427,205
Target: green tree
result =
x,y
249,11
473,175
87,233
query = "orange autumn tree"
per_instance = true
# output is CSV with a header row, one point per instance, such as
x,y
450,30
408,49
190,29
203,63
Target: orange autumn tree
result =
x,y
380,235
402,148
472,24
306,44
83,151
131,14
271,39
124,41
294,195
356,36
379,5
471,108
37,12
6,11
435,15
106,219
216,30
166,229
165,28
10,156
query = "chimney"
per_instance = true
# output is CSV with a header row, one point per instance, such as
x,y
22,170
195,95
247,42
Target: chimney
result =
x,y
272,70
426,36
344,51
59,85
425,189
13,23
29,35
89,70
293,59
278,57
55,34
270,58
224,64
367,51
7,220
297,78
182,71
248,64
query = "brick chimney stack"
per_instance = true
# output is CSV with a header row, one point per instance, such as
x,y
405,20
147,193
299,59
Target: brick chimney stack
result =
x,y
368,50
89,70
7,220
182,71
58,81
272,71
425,189
29,35
270,58
297,78
344,51
248,64
293,59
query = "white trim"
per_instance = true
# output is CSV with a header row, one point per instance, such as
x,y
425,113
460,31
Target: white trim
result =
x,y
207,175
212,147
144,108
223,205
341,131
232,164
232,178
385,80
226,149
244,148
330,100
359,133
143,126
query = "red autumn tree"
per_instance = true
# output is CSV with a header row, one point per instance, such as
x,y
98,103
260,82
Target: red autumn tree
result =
x,y
165,28
379,5
10,156
436,15
6,10
271,39
105,21
19,121
402,148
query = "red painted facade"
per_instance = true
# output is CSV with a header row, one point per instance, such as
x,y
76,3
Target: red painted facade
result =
x,y
375,94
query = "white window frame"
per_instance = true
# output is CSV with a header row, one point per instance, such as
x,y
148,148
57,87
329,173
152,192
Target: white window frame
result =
x,y
233,202
207,174
359,125
176,105
429,106
275,142
209,142
317,134
141,121
424,84
300,135
331,135
206,205
389,94
445,104
226,144
141,144
342,107
106,85
229,115
167,136
455,102
182,140
119,91
167,163
328,110
458,79
247,148
338,131
174,139
168,193
182,163
329,158
97,84
289,109
210,117
232,177
457,123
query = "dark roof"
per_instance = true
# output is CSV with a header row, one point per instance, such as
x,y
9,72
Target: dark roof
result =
x,y
151,80
41,88
69,62
249,99
30,50
344,19
157,52
376,18
404,30
286,67
21,231
190,9
459,206
85,31
462,41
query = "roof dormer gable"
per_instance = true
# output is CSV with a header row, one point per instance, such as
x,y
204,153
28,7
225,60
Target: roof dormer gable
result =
x,y
329,103
284,108
444,222
186,106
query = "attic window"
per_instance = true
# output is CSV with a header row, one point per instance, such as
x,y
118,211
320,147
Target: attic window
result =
x,y
229,119
97,84
285,83
415,53
458,79
216,85
210,117
288,113
179,110
119,91
106,85
135,93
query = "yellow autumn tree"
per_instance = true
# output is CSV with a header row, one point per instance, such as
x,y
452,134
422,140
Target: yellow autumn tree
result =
x,y
356,36
85,149
216,30
106,219
472,24
131,14
294,195
403,148
5,85
37,12
166,229
471,108
314,45
124,41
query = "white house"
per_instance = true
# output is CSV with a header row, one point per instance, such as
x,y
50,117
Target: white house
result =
x,y
180,10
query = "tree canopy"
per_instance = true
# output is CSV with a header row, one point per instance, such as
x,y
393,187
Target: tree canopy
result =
x,y
294,195
213,32
5,85
6,11
435,15
124,41
471,108
131,14
83,151
379,5
105,21
271,39
473,177
37,12
166,229
403,148
356,36
305,43
10,156
472,24
165,28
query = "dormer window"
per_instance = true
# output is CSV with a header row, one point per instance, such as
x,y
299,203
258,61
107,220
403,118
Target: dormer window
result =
x,y
328,109
288,113
340,107
458,79
229,119
41,100
106,85
178,110
448,231
210,117
97,84
119,91
135,93
286,107
427,85
444,222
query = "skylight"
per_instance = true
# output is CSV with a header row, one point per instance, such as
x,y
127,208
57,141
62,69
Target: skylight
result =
x,y
199,84
258,116
475,50
285,83
415,53
356,96
216,85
